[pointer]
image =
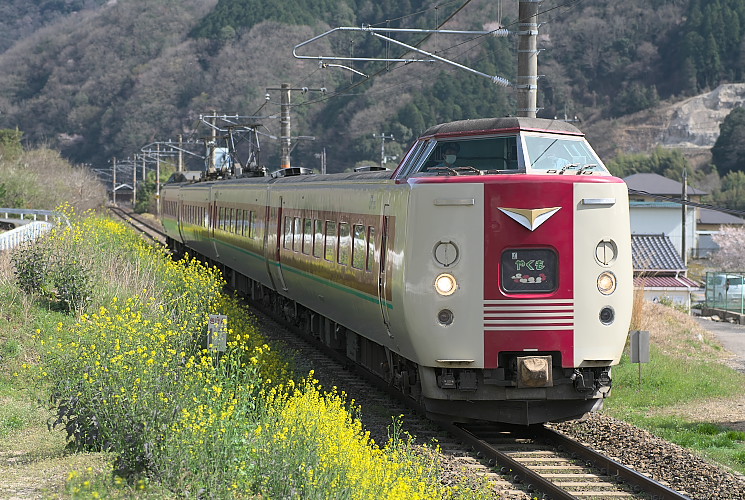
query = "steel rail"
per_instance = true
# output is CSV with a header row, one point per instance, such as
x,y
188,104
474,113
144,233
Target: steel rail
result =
x,y
611,467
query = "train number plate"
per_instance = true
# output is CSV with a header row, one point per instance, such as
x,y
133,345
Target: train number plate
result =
x,y
529,270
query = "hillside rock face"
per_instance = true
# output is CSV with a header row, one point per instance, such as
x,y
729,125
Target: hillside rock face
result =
x,y
691,125
695,121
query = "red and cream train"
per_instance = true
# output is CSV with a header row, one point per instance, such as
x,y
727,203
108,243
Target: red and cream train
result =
x,y
492,284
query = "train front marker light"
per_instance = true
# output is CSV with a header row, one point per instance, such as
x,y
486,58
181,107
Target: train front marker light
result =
x,y
607,315
607,283
445,284
445,317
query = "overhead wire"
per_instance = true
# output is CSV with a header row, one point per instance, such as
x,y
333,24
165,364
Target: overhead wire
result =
x,y
343,92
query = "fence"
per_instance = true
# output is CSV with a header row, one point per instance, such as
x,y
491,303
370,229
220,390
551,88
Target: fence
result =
x,y
29,225
726,290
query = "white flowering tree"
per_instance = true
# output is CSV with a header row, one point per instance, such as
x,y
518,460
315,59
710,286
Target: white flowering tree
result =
x,y
731,253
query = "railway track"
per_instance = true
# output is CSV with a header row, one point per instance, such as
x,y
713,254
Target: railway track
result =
x,y
520,462
147,228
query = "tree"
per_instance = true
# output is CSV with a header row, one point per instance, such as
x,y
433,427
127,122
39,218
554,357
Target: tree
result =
x,y
731,253
732,193
728,152
10,144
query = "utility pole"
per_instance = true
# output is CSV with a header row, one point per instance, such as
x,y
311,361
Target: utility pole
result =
x,y
134,182
113,181
383,157
527,59
180,153
684,196
285,135
284,121
157,181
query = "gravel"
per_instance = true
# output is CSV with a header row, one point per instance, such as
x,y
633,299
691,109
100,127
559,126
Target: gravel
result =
x,y
670,464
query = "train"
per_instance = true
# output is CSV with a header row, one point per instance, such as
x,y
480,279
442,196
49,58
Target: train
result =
x,y
488,276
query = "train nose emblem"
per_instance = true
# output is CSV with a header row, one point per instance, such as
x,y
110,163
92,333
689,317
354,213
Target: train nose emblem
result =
x,y
530,218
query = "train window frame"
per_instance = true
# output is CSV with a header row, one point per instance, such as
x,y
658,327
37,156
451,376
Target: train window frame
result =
x,y
307,235
297,234
318,238
345,244
483,155
330,241
359,246
416,157
529,144
370,258
252,224
287,233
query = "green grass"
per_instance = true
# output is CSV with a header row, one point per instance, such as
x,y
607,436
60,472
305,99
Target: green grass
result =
x,y
669,381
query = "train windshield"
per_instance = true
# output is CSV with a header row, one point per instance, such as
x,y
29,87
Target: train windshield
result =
x,y
472,156
560,155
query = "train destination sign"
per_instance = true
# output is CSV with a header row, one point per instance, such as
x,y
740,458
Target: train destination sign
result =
x,y
529,270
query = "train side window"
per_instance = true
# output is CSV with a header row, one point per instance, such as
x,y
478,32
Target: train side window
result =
x,y
318,238
370,248
297,235
287,239
307,235
358,246
232,220
330,241
251,222
345,244
221,218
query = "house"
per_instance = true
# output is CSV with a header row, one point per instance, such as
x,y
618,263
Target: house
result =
x,y
708,224
652,214
659,270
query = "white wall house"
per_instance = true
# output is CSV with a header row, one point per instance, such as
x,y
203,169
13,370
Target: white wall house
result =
x,y
651,214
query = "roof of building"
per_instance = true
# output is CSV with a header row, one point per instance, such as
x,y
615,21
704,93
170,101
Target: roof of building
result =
x,y
709,216
655,252
650,282
657,184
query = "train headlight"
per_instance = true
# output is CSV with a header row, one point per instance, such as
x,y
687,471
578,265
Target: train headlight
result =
x,y
445,284
607,283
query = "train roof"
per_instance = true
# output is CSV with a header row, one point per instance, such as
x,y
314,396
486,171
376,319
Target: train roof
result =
x,y
512,123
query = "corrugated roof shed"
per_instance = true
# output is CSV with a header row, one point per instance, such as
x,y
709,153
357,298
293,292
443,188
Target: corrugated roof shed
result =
x,y
655,253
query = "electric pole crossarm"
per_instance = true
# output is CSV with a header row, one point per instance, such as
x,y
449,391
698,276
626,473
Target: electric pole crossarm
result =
x,y
432,57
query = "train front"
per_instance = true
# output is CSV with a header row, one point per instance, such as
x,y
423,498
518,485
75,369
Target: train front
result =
x,y
524,301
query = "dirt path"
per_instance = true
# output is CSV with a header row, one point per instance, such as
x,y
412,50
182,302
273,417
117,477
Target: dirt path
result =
x,y
33,464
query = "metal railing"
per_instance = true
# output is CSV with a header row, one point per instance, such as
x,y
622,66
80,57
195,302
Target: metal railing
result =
x,y
28,232
27,214
30,224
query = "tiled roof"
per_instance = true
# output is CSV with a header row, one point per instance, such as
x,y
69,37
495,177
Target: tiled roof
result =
x,y
654,252
657,184
709,216
664,282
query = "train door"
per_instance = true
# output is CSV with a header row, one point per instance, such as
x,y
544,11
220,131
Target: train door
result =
x,y
214,221
383,273
272,244
180,215
280,236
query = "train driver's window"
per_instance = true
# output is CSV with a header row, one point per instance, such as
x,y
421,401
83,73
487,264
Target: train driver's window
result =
x,y
479,156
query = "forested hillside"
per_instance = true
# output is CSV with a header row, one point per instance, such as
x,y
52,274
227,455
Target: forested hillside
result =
x,y
99,78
